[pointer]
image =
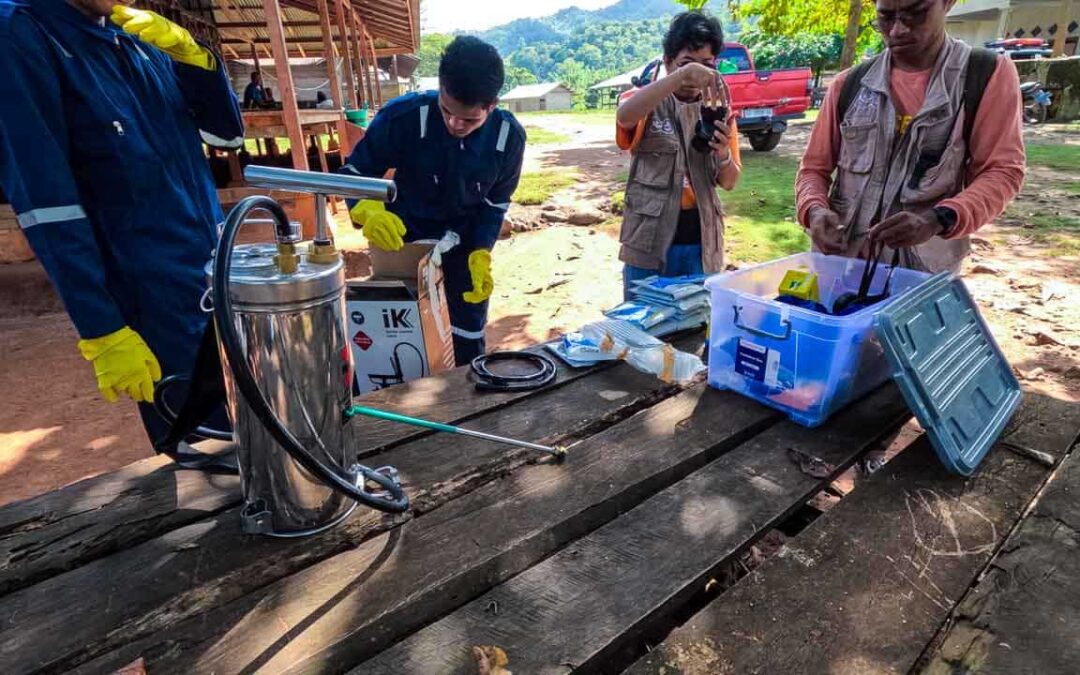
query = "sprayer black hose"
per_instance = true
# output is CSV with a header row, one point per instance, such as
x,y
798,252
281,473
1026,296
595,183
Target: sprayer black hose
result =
x,y
163,409
249,388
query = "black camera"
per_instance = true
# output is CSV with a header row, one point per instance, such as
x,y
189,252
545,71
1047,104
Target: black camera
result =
x,y
706,127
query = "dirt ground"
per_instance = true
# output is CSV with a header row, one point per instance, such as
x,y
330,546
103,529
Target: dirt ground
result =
x,y
54,428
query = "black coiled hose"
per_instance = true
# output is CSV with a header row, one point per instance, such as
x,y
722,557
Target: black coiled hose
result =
x,y
333,477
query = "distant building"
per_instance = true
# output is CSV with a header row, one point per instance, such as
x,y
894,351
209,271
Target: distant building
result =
x,y
427,84
979,21
534,97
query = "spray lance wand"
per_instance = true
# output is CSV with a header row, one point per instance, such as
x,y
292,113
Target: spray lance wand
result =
x,y
558,453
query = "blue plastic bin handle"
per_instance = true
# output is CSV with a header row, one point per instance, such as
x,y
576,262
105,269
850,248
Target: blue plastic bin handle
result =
x,y
763,333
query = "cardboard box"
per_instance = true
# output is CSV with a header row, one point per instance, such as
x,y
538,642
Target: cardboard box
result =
x,y
398,321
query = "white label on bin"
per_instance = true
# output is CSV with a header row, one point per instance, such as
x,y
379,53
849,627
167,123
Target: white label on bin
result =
x,y
758,363
772,369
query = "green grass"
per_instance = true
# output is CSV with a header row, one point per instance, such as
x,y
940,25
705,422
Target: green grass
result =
x,y
761,210
536,187
618,202
595,117
1060,234
1072,187
541,136
811,117
1057,156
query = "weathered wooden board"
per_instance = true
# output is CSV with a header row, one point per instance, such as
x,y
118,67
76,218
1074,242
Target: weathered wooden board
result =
x,y
1043,422
101,605
866,587
61,530
349,607
583,607
1024,614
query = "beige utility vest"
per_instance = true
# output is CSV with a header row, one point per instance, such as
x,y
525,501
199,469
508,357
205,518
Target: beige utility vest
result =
x,y
654,190
874,175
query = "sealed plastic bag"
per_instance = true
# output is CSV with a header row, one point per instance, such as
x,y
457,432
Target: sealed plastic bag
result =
x,y
610,340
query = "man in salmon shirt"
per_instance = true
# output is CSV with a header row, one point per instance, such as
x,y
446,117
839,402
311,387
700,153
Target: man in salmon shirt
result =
x,y
925,142
673,224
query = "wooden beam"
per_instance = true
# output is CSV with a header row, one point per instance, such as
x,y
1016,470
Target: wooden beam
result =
x,y
1063,28
331,73
343,41
374,68
361,62
290,110
392,51
225,25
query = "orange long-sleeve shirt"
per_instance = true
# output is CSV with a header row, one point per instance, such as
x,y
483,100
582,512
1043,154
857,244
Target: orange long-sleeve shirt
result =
x,y
994,175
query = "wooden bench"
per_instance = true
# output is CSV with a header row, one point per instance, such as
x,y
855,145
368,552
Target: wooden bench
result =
x,y
606,562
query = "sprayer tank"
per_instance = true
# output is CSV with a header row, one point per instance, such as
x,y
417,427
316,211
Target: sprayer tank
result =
x,y
291,328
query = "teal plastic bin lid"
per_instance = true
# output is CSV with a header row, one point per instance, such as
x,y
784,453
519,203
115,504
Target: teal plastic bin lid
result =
x,y
948,366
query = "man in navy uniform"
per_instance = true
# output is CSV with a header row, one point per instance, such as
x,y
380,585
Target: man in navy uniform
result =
x,y
457,160
103,113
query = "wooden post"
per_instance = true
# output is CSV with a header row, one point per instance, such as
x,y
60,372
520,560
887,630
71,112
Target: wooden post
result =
x,y
290,113
1062,28
343,37
374,67
328,52
331,72
255,57
361,61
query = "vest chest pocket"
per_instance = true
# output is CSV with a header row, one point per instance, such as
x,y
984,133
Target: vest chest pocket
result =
x,y
641,224
654,162
857,148
931,181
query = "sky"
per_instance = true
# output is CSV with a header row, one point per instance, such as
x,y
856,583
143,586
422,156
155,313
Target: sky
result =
x,y
443,16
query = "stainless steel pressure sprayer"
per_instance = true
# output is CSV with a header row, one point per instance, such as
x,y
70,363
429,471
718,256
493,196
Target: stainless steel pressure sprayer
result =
x,y
279,310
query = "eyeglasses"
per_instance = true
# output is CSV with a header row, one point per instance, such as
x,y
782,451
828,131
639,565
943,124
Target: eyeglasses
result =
x,y
912,18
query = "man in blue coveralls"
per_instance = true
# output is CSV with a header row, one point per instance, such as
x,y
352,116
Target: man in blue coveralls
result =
x,y
103,110
458,161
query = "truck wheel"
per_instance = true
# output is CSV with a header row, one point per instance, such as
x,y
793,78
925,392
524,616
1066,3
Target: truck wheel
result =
x,y
765,141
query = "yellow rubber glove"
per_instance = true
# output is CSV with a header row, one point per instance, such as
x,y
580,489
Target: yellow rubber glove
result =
x,y
123,365
156,30
482,282
381,227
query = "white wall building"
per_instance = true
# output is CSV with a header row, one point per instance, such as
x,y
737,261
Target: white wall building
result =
x,y
534,97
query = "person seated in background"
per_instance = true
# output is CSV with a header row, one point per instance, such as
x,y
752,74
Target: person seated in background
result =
x,y
253,93
916,148
323,101
673,223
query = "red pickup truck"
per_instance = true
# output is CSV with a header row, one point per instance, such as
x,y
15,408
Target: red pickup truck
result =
x,y
765,99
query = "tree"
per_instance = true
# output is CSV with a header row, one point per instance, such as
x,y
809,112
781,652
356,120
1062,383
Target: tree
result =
x,y
823,17
516,76
800,50
432,47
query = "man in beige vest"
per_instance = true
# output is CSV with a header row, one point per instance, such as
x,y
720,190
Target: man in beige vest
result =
x,y
914,167
673,223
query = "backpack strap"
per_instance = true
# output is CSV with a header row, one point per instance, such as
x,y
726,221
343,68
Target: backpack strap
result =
x,y
851,86
982,64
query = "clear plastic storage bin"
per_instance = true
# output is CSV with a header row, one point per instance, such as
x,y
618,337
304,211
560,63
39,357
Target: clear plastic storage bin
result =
x,y
802,362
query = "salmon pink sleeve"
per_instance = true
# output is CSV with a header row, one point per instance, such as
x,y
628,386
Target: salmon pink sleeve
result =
x,y
819,161
996,172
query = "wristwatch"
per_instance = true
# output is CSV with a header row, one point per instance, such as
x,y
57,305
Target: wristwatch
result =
x,y
947,218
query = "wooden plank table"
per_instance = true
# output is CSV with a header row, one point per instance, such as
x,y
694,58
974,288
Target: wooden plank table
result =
x,y
580,566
